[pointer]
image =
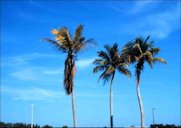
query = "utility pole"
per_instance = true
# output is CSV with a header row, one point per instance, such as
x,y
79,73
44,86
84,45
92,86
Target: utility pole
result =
x,y
153,109
31,115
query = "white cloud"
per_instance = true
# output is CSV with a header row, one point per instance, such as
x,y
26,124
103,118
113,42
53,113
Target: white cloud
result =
x,y
84,62
23,67
32,93
149,19
25,74
135,7
38,74
158,24
139,6
24,59
53,71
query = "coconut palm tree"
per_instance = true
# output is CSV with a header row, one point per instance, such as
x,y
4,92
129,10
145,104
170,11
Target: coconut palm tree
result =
x,y
108,62
71,46
139,52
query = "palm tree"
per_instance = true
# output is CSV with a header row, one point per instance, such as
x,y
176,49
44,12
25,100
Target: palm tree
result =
x,y
139,52
71,46
109,62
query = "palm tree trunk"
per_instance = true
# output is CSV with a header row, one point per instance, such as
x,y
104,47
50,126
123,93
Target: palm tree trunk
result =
x,y
140,105
73,108
111,102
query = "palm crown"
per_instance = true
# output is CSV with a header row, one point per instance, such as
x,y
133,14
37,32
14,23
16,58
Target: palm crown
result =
x,y
65,43
141,51
109,62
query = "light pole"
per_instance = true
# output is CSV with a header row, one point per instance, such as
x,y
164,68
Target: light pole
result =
x,y
153,109
32,115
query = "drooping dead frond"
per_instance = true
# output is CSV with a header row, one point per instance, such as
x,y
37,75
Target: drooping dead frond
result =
x,y
69,72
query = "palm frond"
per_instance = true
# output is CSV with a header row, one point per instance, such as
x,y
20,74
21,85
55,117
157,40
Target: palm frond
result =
x,y
107,47
149,58
78,33
55,31
99,68
66,40
103,55
56,45
138,47
154,51
82,45
161,60
110,70
105,77
99,62
150,45
124,71
147,38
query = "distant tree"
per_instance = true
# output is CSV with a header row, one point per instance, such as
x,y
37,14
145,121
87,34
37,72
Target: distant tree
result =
x,y
65,126
109,62
139,52
47,126
2,124
17,125
164,126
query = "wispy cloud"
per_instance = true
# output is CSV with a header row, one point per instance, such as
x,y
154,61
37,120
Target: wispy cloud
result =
x,y
53,71
152,21
23,67
24,59
32,93
84,62
38,74
139,6
135,7
159,24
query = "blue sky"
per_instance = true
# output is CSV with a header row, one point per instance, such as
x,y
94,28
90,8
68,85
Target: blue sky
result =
x,y
32,71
